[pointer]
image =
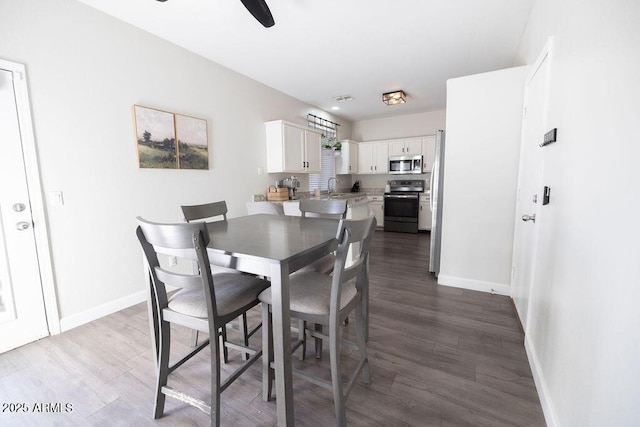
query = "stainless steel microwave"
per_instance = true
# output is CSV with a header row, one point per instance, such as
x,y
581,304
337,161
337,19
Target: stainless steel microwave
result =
x,y
403,165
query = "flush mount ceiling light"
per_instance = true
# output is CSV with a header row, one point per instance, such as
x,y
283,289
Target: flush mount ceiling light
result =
x,y
393,98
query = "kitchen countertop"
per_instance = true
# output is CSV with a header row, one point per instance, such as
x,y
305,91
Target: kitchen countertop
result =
x,y
351,198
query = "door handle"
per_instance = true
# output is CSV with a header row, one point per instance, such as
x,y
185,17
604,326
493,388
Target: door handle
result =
x,y
22,225
526,218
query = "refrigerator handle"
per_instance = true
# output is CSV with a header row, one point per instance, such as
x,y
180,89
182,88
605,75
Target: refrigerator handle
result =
x,y
431,186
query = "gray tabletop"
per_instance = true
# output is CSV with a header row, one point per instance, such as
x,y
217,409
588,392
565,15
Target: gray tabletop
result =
x,y
277,238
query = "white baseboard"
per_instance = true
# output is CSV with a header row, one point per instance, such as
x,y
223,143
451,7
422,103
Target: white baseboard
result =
x,y
541,385
75,320
474,285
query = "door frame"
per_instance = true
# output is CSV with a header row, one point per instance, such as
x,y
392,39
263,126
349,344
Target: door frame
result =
x,y
32,171
544,55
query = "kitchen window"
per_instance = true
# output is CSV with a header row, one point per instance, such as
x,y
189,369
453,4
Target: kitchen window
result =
x,y
328,162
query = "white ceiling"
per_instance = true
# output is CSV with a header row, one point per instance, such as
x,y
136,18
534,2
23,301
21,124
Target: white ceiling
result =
x,y
319,49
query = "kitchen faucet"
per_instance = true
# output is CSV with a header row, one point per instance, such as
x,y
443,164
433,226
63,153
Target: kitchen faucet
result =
x,y
329,184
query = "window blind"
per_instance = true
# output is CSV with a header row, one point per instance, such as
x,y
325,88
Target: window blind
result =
x,y
328,162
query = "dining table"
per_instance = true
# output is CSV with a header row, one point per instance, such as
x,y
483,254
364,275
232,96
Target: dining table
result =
x,y
274,246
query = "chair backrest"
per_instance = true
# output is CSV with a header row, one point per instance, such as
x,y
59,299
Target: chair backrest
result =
x,y
325,208
350,231
186,240
206,211
254,208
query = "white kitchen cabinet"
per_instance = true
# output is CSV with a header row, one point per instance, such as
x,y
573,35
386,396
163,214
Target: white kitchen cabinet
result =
x,y
292,148
376,204
424,214
405,147
428,152
373,158
347,161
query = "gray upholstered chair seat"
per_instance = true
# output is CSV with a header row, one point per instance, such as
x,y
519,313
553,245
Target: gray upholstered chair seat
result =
x,y
311,293
324,265
233,291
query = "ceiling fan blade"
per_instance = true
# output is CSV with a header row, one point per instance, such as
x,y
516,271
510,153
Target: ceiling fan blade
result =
x,y
260,11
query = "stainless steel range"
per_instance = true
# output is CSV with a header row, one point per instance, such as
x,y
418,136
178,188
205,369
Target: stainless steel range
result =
x,y
402,204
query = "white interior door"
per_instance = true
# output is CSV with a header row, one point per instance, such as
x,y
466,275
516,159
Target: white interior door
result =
x,y
22,309
529,186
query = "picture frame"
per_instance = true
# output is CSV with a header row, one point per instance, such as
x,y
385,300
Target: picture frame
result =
x,y
166,140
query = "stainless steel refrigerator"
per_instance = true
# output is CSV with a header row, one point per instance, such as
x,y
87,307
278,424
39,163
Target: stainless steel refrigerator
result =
x,y
436,181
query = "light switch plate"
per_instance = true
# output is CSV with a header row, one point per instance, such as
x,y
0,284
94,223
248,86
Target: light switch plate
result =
x,y
56,198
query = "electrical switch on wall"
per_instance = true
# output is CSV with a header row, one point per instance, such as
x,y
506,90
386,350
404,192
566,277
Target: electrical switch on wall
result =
x,y
55,198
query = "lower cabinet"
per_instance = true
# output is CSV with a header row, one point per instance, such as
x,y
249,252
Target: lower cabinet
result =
x,y
424,214
376,204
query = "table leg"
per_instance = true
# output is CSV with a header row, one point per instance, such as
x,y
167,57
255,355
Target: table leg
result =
x,y
282,343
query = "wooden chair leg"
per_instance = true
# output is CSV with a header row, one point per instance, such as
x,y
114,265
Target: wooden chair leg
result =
x,y
244,334
336,377
268,375
361,328
218,346
302,336
318,341
163,348
223,348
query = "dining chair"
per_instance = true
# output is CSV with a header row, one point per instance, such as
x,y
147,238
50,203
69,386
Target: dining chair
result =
x,y
205,213
204,302
327,300
319,208
254,208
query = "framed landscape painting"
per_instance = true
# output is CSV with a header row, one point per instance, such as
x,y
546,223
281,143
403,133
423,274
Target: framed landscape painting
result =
x,y
170,141
193,148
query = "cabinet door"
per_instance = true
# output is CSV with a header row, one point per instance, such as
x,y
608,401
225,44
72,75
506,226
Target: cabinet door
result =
x,y
365,156
347,161
428,152
378,211
313,151
424,214
413,147
293,147
353,157
381,157
396,148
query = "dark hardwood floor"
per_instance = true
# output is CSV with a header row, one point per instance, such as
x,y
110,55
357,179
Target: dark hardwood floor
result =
x,y
439,357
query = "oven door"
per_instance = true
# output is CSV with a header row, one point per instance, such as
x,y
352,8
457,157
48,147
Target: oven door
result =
x,y
401,212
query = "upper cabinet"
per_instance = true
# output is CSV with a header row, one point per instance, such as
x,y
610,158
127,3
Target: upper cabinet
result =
x,y
347,161
373,157
428,152
405,147
292,148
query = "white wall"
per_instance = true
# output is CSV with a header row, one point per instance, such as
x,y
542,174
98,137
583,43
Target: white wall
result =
x,y
85,71
582,335
398,126
409,125
480,178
